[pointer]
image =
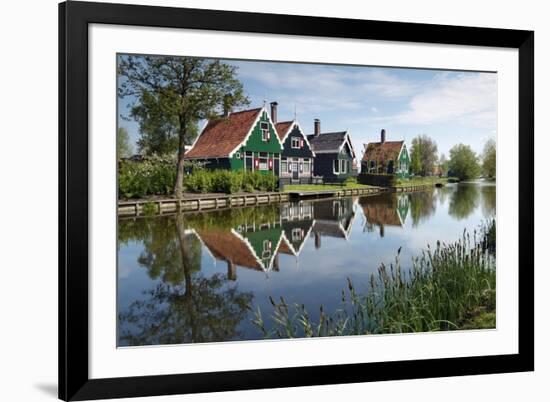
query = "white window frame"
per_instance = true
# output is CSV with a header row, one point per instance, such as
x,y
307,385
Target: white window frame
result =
x,y
336,171
294,140
307,166
296,234
264,126
343,166
284,166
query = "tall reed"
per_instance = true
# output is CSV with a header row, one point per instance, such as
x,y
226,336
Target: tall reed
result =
x,y
444,288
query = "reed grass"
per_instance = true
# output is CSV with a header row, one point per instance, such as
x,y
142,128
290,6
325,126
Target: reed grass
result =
x,y
449,287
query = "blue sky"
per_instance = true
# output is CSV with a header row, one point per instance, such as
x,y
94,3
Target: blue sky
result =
x,y
451,107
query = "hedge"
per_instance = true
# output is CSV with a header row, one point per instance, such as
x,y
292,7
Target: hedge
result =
x,y
156,175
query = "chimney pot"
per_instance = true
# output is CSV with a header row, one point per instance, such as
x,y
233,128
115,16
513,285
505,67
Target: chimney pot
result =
x,y
383,135
317,126
274,112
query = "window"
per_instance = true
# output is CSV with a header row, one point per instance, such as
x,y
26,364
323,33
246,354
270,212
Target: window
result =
x,y
296,234
306,165
343,166
372,166
284,167
263,164
238,155
264,126
336,166
295,142
266,253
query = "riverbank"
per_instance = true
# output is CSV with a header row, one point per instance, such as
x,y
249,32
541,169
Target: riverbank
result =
x,y
450,287
200,201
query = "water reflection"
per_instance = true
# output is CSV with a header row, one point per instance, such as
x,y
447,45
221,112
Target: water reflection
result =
x,y
385,210
199,277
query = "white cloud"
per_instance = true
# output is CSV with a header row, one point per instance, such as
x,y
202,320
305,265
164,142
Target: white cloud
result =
x,y
316,88
469,99
374,109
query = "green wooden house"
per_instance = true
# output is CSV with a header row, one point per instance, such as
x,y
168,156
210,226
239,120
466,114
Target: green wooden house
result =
x,y
386,157
245,140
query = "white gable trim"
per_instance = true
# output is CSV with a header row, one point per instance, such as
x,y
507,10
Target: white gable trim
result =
x,y
249,133
347,141
296,124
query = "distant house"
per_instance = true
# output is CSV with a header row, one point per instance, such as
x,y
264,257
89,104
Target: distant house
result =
x,y
245,140
386,157
297,156
334,154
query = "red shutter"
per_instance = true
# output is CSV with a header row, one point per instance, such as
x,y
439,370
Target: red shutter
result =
x,y
256,163
270,163
301,143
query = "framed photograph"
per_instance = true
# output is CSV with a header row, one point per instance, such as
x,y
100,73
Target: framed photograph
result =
x,y
257,200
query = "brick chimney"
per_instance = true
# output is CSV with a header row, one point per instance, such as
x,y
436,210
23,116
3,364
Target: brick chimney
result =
x,y
383,135
316,126
274,112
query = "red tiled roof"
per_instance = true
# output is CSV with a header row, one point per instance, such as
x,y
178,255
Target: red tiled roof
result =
x,y
223,134
227,246
284,247
282,128
382,151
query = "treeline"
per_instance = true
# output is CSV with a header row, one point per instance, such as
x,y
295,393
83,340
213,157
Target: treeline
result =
x,y
462,162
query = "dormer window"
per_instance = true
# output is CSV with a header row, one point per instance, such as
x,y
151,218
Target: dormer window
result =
x,y
264,126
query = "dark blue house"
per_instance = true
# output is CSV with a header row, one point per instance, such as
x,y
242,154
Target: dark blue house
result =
x,y
334,154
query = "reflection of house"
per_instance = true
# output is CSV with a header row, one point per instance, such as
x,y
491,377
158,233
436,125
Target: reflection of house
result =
x,y
253,247
334,154
333,218
385,210
297,156
386,157
297,222
240,140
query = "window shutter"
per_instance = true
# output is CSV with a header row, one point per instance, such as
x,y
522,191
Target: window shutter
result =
x,y
301,143
270,163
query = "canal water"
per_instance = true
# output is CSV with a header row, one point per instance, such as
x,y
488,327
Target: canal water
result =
x,y
201,277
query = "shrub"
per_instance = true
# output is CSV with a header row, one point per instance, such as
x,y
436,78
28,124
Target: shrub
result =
x,y
154,175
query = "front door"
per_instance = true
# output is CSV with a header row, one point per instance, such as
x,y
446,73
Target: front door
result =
x,y
295,170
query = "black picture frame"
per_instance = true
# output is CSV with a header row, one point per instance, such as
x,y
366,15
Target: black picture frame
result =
x,y
74,18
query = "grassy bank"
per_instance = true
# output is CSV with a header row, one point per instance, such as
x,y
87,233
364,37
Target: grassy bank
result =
x,y
449,287
321,187
422,181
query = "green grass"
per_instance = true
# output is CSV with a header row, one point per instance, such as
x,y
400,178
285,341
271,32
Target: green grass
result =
x,y
421,181
449,287
321,187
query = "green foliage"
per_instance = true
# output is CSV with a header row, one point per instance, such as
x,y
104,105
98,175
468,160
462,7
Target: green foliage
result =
x,y
445,288
170,94
154,175
463,163
489,159
149,208
423,155
123,146
226,181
